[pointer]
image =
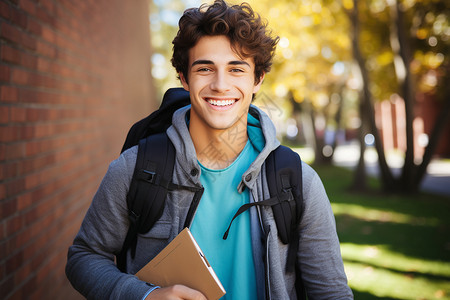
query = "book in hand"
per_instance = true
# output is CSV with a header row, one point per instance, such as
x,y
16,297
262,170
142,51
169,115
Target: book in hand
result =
x,y
182,262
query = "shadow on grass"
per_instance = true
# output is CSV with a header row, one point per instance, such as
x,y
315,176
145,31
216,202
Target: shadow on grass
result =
x,y
411,228
423,236
410,274
419,241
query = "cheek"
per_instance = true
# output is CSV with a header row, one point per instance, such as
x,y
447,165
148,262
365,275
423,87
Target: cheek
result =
x,y
244,83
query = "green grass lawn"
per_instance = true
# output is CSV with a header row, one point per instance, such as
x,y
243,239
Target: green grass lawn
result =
x,y
393,246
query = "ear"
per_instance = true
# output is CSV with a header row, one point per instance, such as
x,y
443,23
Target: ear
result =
x,y
258,84
183,81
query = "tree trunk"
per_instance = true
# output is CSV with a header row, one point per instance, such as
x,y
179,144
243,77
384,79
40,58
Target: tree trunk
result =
x,y
402,58
338,121
387,178
318,142
438,128
360,175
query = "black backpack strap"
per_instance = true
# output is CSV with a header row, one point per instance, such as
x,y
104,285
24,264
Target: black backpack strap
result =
x,y
151,181
284,178
284,175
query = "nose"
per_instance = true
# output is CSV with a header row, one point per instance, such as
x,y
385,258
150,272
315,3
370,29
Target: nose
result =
x,y
220,82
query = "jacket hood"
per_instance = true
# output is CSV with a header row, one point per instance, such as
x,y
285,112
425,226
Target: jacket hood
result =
x,y
185,150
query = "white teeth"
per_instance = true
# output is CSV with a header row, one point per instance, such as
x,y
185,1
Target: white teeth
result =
x,y
220,102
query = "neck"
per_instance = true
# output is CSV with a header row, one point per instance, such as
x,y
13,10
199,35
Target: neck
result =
x,y
218,148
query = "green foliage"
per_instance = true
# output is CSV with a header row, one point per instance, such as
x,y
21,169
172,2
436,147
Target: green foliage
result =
x,y
315,36
394,247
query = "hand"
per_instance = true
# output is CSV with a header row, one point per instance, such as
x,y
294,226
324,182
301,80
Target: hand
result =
x,y
175,292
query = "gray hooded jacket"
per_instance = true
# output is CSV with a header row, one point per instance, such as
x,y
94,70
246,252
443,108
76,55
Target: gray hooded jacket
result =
x,y
91,268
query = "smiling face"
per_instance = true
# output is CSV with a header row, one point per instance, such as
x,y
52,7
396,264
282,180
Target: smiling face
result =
x,y
221,85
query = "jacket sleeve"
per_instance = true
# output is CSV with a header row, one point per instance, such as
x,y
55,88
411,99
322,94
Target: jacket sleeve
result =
x,y
319,253
90,265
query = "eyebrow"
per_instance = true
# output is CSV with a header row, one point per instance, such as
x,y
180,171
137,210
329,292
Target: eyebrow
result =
x,y
210,62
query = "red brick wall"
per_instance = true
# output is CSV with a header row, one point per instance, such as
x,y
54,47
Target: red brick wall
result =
x,y
74,75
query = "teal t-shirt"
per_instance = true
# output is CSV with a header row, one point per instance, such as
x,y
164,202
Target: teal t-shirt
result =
x,y
231,259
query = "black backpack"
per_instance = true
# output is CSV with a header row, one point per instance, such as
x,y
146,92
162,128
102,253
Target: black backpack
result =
x,y
152,180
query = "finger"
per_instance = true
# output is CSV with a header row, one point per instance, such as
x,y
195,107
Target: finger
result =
x,y
176,292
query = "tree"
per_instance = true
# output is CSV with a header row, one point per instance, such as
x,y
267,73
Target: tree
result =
x,y
399,47
400,37
310,67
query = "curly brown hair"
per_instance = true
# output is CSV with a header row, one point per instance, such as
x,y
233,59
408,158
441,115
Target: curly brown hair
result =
x,y
246,30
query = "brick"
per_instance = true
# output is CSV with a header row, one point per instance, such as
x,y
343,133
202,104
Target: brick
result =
x,y
20,76
34,96
24,201
46,49
14,151
49,6
28,61
26,289
45,17
4,114
9,133
46,268
2,238
2,153
11,33
13,187
23,77
6,285
14,224
44,64
48,34
2,177
8,207
28,6
9,94
11,170
36,163
34,180
10,54
29,42
18,114
4,73
34,115
18,17
16,244
5,10
34,27
14,262
22,274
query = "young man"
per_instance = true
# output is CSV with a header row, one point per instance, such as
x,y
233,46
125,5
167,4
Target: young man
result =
x,y
221,54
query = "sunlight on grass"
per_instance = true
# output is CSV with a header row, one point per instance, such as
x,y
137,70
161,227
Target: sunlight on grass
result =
x,y
382,257
386,284
370,214
394,246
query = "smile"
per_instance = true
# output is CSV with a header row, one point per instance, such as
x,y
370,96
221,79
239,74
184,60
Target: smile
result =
x,y
221,103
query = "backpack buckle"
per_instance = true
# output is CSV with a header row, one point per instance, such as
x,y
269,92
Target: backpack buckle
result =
x,y
149,176
287,194
133,217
